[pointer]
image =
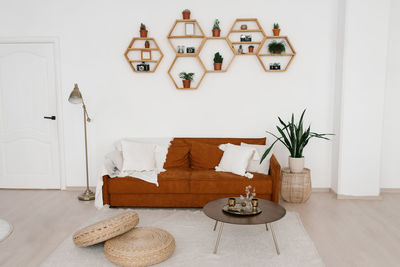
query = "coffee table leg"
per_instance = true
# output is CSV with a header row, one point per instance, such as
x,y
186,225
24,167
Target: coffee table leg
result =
x,y
274,237
219,237
266,226
215,226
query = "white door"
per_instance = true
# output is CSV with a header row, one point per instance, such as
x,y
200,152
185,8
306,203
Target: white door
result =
x,y
29,151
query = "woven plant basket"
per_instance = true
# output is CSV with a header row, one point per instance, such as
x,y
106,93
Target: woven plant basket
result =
x,y
295,187
142,246
106,229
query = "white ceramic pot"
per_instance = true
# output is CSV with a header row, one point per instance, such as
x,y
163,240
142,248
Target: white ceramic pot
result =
x,y
296,164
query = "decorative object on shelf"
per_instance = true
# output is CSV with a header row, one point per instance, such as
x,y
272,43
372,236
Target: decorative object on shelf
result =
x,y
143,31
218,61
245,38
186,77
243,27
204,54
189,28
181,49
147,44
295,139
76,98
251,48
143,67
186,14
275,47
239,210
275,66
190,50
276,29
240,49
295,187
216,31
151,56
290,54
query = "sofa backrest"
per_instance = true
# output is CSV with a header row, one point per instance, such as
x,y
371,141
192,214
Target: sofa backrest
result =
x,y
222,140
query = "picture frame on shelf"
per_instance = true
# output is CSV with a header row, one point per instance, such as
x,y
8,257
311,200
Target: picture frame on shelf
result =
x,y
189,28
145,55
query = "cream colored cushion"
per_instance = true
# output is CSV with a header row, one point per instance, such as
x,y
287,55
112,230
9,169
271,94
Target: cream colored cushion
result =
x,y
106,229
142,246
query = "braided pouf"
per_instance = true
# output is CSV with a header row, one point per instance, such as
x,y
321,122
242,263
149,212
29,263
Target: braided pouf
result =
x,y
106,229
142,246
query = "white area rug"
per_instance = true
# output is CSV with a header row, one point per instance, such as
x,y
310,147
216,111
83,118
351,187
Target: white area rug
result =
x,y
195,240
5,229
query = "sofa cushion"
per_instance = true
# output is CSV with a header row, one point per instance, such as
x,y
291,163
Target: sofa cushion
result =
x,y
178,155
204,156
175,180
212,182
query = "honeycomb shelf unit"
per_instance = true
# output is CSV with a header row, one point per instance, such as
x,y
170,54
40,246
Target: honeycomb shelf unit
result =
x,y
208,39
289,55
134,61
234,44
199,36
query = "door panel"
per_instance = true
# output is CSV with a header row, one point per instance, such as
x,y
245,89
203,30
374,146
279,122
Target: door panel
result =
x,y
28,142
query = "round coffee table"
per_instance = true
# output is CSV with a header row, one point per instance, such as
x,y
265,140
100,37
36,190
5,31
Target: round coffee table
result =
x,y
271,212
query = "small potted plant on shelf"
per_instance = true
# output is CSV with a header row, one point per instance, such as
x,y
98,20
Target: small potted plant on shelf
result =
x,y
216,31
251,48
276,29
186,14
295,138
147,44
143,31
240,49
275,47
186,77
218,61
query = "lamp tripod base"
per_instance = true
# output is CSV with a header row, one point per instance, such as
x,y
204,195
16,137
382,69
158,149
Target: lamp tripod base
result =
x,y
87,195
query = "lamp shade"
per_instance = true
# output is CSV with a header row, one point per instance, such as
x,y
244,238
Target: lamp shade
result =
x,y
75,97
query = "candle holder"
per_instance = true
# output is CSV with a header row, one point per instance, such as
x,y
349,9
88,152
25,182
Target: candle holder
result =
x,y
231,202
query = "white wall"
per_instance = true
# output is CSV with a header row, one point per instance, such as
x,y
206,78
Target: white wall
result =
x,y
243,102
391,140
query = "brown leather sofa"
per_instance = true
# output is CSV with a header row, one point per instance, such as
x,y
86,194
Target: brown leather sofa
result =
x,y
190,179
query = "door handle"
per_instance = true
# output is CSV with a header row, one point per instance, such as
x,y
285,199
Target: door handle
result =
x,y
50,118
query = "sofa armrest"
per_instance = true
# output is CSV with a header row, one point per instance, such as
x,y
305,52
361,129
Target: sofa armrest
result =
x,y
106,194
275,172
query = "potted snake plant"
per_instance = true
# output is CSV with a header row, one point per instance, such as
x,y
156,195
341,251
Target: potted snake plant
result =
x,y
295,138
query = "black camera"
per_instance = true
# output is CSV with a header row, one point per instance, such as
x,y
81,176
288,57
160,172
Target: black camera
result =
x,y
245,38
275,66
143,67
190,50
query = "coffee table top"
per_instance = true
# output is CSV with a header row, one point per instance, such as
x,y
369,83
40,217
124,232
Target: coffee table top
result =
x,y
270,212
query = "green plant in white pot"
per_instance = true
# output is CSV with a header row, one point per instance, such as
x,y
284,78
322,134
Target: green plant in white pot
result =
x,y
295,138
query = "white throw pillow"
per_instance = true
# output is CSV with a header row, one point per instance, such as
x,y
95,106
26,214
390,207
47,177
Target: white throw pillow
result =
x,y
254,165
235,159
116,159
138,156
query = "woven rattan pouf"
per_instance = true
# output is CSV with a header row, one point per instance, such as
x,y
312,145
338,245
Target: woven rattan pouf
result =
x,y
106,229
142,246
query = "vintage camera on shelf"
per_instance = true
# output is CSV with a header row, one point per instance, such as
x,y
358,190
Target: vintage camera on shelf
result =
x,y
275,66
190,50
245,38
143,67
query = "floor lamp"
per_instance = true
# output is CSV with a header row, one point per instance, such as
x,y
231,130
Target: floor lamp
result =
x,y
76,98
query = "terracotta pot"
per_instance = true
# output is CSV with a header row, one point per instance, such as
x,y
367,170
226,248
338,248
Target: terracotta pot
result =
x,y
186,15
146,45
296,164
186,83
216,32
217,66
143,33
276,32
251,49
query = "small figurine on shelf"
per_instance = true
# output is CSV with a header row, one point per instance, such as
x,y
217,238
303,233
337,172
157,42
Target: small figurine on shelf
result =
x,y
190,50
245,38
240,49
243,27
251,48
181,49
186,77
186,14
276,29
143,31
216,31
275,66
147,44
143,67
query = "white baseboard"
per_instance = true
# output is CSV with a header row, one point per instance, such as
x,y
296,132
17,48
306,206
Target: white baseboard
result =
x,y
340,196
79,188
390,190
321,189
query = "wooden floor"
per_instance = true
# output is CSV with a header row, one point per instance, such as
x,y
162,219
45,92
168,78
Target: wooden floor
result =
x,y
345,232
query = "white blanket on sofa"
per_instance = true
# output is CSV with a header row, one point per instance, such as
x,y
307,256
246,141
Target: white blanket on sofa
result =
x,y
148,176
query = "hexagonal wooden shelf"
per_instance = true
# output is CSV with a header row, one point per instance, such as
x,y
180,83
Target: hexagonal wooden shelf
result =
x,y
197,84
291,54
257,29
207,39
135,61
195,36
